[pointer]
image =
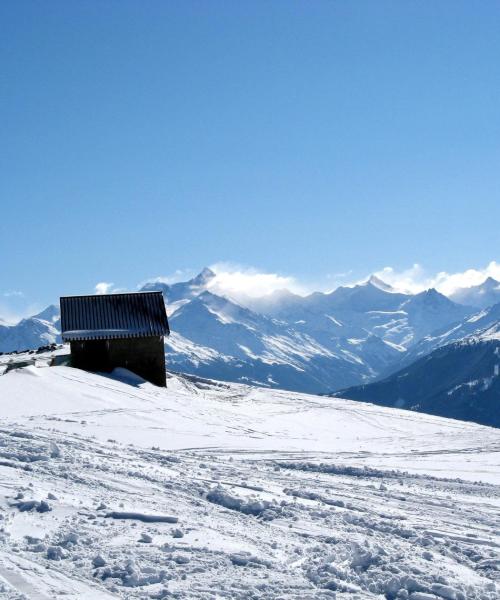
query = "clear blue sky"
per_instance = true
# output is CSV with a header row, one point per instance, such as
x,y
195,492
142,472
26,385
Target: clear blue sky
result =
x,y
303,138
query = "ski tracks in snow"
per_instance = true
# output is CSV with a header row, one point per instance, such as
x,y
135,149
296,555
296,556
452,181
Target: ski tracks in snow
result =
x,y
247,526
256,494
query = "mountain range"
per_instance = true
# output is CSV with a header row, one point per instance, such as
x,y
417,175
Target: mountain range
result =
x,y
317,343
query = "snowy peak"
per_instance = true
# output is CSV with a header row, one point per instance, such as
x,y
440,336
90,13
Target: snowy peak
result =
x,y
315,343
183,290
203,278
455,330
430,298
223,309
371,295
50,314
379,284
29,333
481,296
218,338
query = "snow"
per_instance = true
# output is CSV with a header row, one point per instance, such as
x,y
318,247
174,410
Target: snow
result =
x,y
381,285
489,334
196,353
332,319
478,316
113,488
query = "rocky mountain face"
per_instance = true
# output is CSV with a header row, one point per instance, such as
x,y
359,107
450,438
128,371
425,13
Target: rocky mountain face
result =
x,y
460,380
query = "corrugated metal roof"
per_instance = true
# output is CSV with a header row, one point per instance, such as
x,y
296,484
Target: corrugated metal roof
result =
x,y
111,316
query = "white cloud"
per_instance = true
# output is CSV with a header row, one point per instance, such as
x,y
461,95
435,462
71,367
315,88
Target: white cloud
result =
x,y
240,282
13,294
104,287
14,306
411,280
176,276
237,281
416,278
448,283
12,312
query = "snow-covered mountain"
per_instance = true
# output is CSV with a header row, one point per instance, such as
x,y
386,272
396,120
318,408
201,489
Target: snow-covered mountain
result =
x,y
470,326
214,337
39,330
113,488
176,294
369,308
300,343
460,380
480,296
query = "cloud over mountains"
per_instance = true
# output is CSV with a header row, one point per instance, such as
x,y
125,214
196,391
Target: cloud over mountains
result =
x,y
236,280
417,278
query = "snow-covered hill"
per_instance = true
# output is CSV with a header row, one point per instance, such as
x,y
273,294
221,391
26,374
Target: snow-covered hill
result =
x,y
113,488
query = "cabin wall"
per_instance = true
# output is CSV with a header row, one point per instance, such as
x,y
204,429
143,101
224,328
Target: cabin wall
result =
x,y
143,356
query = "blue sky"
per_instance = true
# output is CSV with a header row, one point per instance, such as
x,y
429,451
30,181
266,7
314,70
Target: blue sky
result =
x,y
307,139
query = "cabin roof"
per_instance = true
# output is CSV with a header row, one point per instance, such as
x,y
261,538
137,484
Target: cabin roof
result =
x,y
112,316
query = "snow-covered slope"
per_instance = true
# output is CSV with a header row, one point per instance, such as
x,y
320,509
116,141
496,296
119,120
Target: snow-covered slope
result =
x,y
113,488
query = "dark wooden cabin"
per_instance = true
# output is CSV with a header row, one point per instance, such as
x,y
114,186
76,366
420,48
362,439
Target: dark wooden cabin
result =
x,y
117,330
